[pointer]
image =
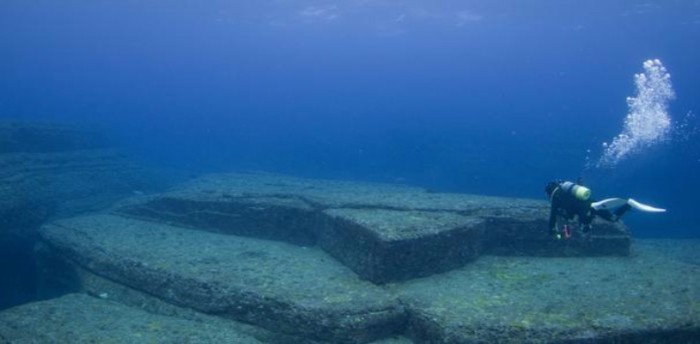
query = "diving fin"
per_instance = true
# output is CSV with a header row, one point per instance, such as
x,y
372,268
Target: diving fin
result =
x,y
614,203
609,203
643,207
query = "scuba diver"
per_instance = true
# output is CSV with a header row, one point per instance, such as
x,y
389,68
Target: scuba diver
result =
x,y
571,200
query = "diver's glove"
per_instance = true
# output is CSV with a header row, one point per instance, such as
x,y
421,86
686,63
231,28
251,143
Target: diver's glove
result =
x,y
554,233
564,233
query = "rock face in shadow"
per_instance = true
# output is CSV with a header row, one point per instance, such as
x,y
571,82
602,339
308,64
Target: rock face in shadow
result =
x,y
383,232
383,245
45,137
51,171
54,170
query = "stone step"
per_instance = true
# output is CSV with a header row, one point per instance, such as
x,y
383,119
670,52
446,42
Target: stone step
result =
x,y
79,318
392,245
650,296
81,280
383,232
283,287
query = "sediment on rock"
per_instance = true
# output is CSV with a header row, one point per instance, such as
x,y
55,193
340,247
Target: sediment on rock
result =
x,y
79,318
48,171
283,287
196,247
383,232
648,297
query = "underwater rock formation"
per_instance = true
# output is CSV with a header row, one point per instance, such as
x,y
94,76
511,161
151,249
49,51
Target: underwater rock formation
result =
x,y
383,232
648,297
283,287
51,171
55,170
310,261
79,318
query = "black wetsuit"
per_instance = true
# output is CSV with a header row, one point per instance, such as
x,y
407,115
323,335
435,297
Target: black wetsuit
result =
x,y
568,206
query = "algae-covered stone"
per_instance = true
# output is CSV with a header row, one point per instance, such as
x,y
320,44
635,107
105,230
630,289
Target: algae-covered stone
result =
x,y
389,245
265,217
276,285
528,235
79,318
648,297
383,232
346,194
49,171
92,284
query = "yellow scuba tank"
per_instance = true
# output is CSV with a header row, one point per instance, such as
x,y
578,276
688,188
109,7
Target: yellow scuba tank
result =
x,y
580,192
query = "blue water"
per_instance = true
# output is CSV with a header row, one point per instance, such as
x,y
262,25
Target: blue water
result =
x,y
491,97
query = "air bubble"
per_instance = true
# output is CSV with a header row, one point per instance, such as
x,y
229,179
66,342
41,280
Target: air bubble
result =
x,y
647,121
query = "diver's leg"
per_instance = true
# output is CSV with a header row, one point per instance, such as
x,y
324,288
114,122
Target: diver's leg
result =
x,y
586,220
621,211
604,214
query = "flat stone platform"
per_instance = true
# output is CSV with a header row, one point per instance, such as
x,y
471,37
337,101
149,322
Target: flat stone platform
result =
x,y
653,296
382,232
283,287
82,319
341,262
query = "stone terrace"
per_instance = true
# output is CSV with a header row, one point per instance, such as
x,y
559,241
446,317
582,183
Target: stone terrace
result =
x,y
649,297
285,287
305,261
79,318
382,232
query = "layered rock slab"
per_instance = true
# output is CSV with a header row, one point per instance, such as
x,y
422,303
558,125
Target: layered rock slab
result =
x,y
383,232
52,169
648,297
79,318
37,136
390,245
49,171
105,289
34,186
283,287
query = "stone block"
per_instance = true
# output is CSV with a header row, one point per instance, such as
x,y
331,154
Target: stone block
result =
x,y
648,297
283,287
392,245
79,318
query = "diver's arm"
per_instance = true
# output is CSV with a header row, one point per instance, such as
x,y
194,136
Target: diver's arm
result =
x,y
553,215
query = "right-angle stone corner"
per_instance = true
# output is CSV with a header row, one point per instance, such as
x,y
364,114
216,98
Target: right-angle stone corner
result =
x,y
382,232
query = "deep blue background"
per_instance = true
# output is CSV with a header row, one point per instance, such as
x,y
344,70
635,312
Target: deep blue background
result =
x,y
492,97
